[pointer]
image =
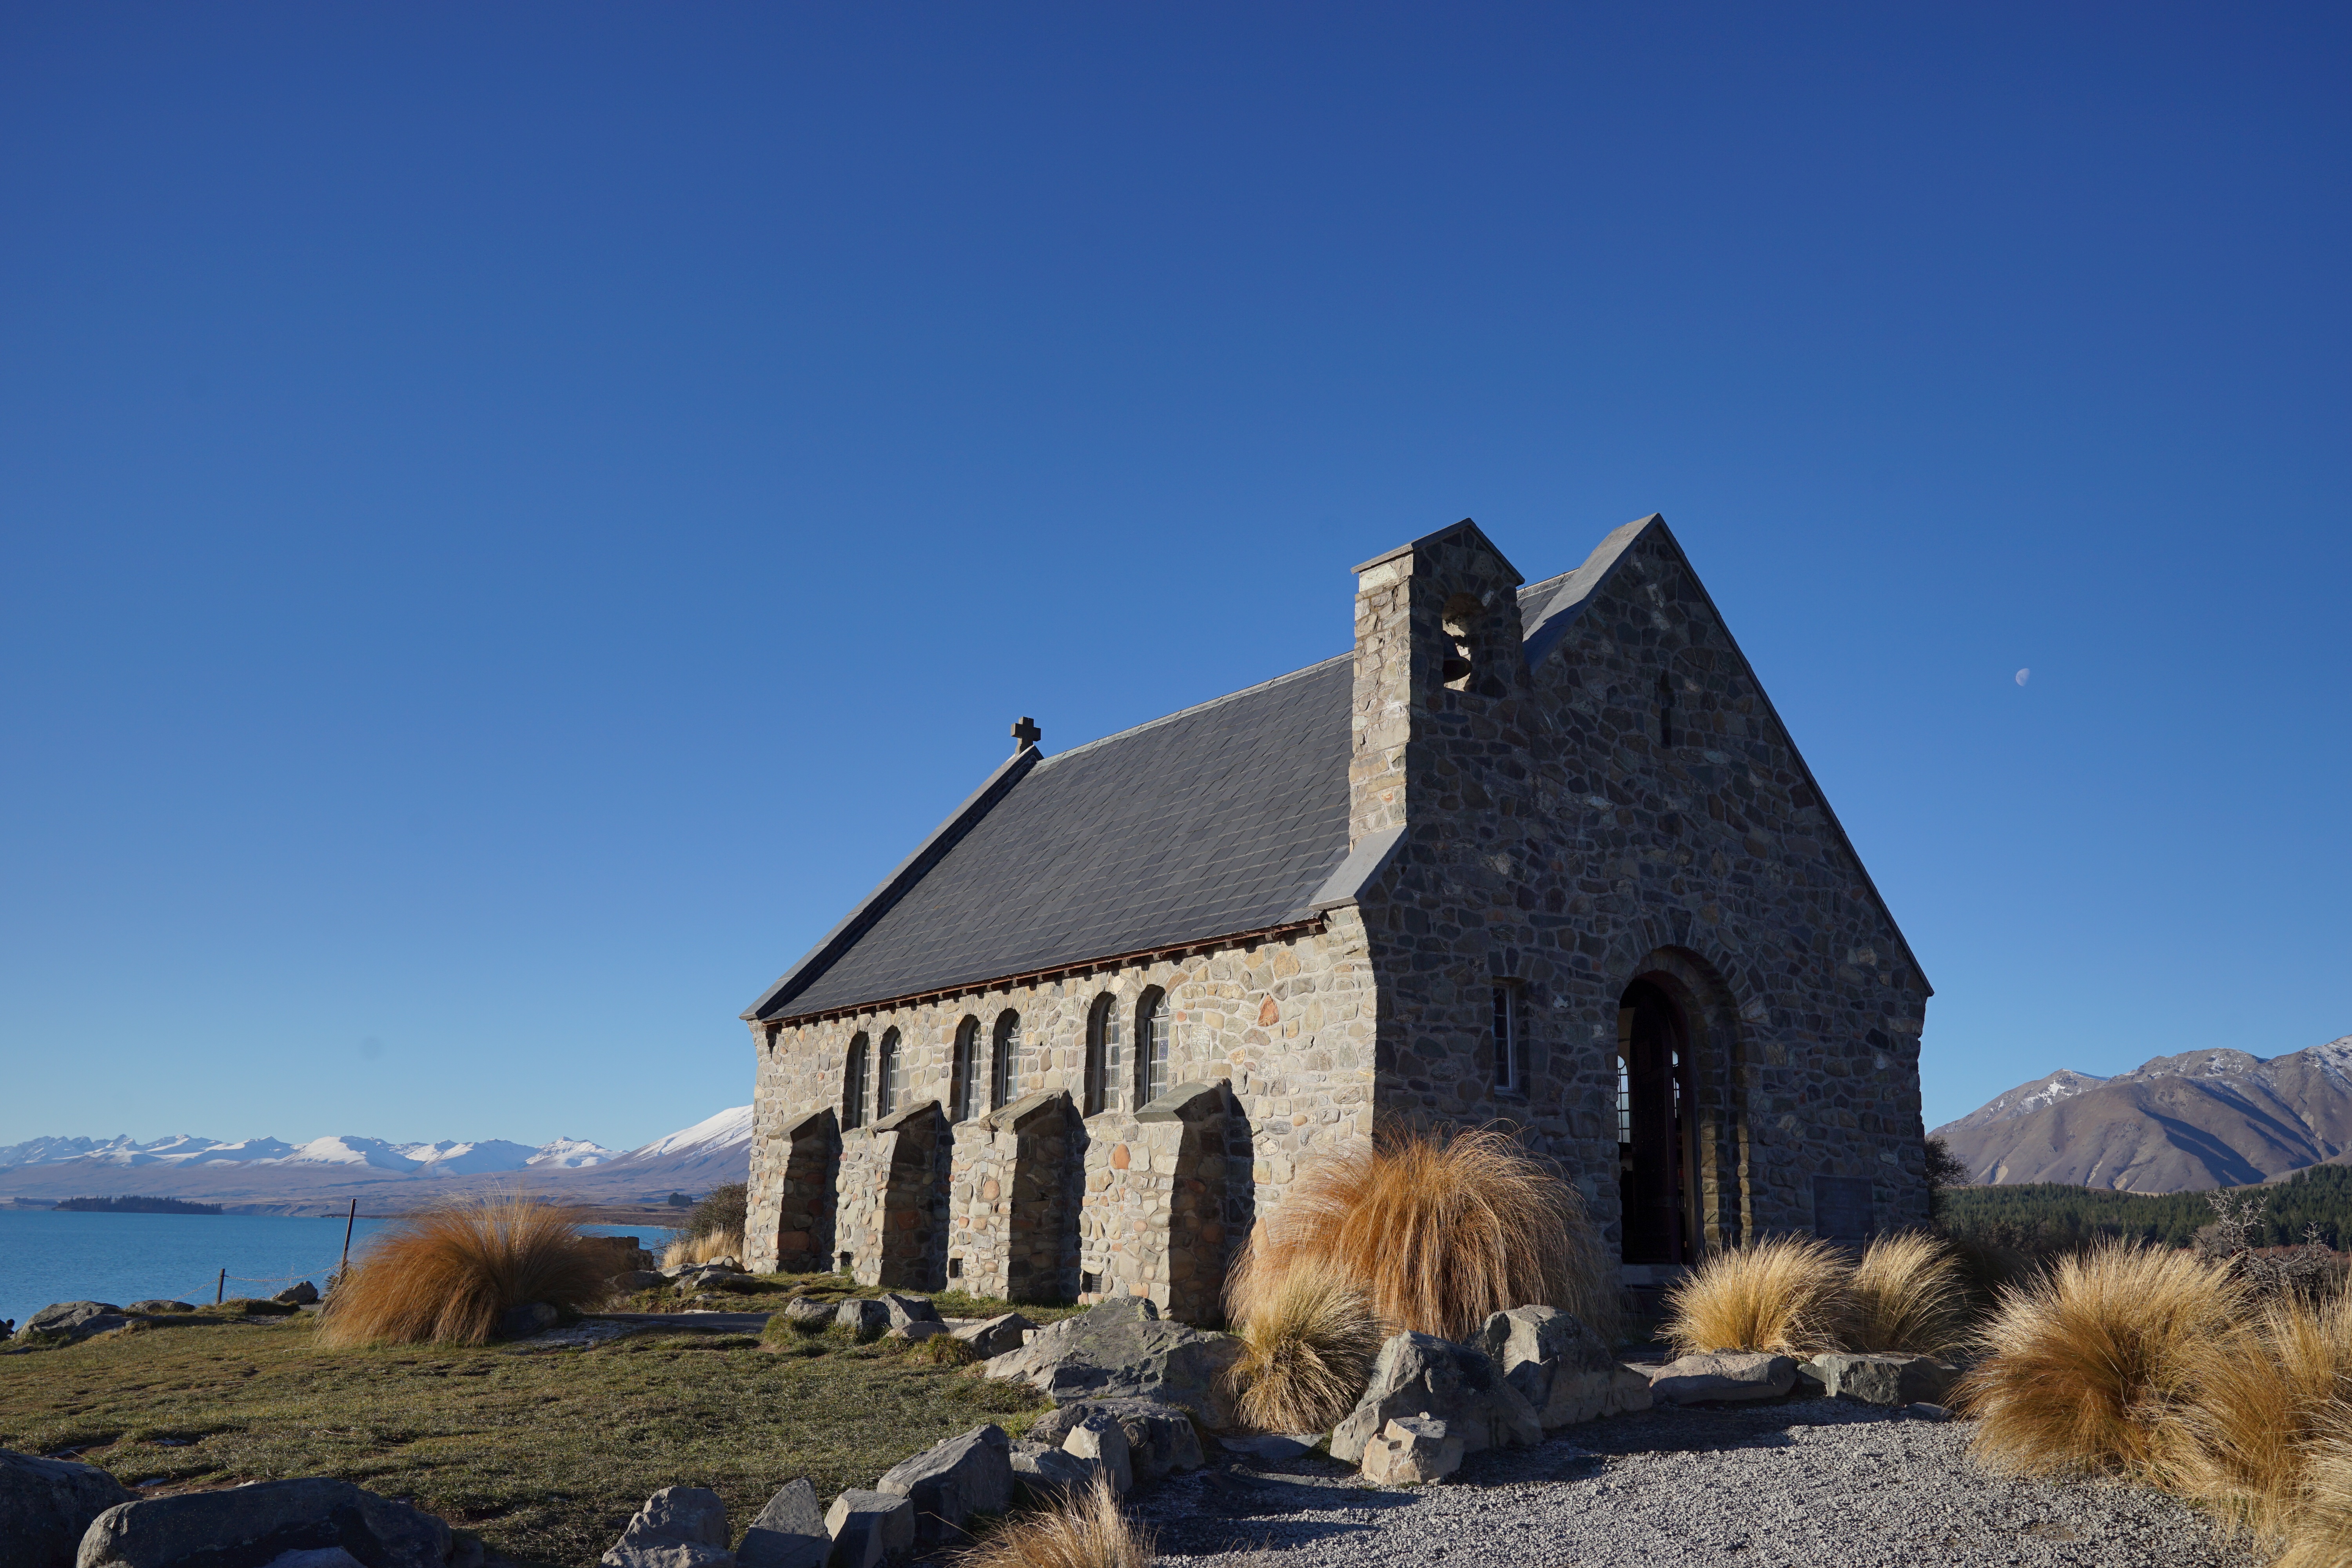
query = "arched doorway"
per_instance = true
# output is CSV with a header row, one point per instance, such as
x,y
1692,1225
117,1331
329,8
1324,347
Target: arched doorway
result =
x,y
1656,1117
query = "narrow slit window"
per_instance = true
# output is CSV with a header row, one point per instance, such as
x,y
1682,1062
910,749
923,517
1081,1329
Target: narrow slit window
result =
x,y
1153,1029
1510,1050
962,1071
852,1086
890,1080
1104,1059
1005,1077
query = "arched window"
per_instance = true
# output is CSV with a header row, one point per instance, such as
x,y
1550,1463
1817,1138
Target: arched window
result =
x,y
1154,1036
1105,1055
965,1071
890,1079
1005,1081
852,1086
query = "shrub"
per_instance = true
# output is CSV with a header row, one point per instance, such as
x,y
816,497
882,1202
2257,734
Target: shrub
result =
x,y
1087,1531
1307,1348
2256,1405
1905,1294
1438,1232
445,1274
1786,1295
944,1349
688,1249
2089,1360
724,1209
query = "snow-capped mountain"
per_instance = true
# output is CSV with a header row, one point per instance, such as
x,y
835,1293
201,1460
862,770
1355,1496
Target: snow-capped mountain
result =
x,y
376,1171
2178,1123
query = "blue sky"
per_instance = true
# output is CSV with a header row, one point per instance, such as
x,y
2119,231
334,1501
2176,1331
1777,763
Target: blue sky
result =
x,y
515,516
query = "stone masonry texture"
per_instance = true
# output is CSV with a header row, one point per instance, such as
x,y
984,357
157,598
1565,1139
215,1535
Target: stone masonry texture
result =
x,y
1627,807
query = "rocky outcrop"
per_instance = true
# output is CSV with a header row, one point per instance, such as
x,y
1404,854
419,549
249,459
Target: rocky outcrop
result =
x,y
1564,1371
789,1532
1412,1449
1043,1474
1420,1374
869,1529
1160,1438
1124,1350
1881,1379
259,1523
994,1336
679,1527
75,1320
950,1481
45,1506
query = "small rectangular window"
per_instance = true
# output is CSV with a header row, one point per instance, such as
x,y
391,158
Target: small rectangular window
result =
x,y
1510,1050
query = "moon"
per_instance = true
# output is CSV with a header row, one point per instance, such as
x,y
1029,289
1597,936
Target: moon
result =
x,y
2021,676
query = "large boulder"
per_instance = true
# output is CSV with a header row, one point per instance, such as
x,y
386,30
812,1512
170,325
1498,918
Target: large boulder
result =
x,y
1160,1437
800,1309
1420,1374
1122,1349
260,1523
45,1506
950,1481
789,1533
75,1320
1714,1377
868,1529
1412,1449
1100,1439
1884,1378
867,1319
1043,1475
906,1310
994,1336
679,1527
1563,1369
303,1295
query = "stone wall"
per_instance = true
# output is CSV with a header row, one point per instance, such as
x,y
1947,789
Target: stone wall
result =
x,y
790,1214
1170,1197
1560,841
1014,1199
892,1221
1287,1021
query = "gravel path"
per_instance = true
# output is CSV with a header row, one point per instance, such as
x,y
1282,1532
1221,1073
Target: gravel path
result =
x,y
1813,1482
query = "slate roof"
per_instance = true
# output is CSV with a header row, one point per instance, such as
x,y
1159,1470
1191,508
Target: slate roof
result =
x,y
1223,819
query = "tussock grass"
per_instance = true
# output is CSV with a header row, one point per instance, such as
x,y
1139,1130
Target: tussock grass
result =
x,y
702,1248
1786,1296
2319,1529
1089,1530
2259,1410
1438,1231
2093,1358
1307,1348
1908,1293
443,1275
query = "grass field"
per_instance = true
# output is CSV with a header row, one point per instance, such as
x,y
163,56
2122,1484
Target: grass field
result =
x,y
544,1455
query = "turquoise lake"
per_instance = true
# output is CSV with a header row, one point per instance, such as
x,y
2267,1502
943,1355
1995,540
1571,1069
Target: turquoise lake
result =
x,y
123,1258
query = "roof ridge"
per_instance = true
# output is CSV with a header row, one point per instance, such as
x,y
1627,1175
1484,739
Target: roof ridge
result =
x,y
1196,708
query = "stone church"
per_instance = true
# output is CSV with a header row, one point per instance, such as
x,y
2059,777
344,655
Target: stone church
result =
x,y
1539,856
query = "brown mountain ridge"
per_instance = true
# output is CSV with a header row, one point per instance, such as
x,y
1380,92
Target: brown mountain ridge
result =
x,y
2181,1123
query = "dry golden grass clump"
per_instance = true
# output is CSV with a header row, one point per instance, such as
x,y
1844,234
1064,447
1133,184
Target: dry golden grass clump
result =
x,y
1786,1296
710,1244
2259,1408
1438,1232
2092,1359
1908,1293
2318,1530
1307,1348
444,1275
1089,1530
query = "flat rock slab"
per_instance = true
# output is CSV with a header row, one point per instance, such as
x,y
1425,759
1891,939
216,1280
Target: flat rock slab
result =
x,y
1814,1483
1722,1377
1122,1349
1884,1378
